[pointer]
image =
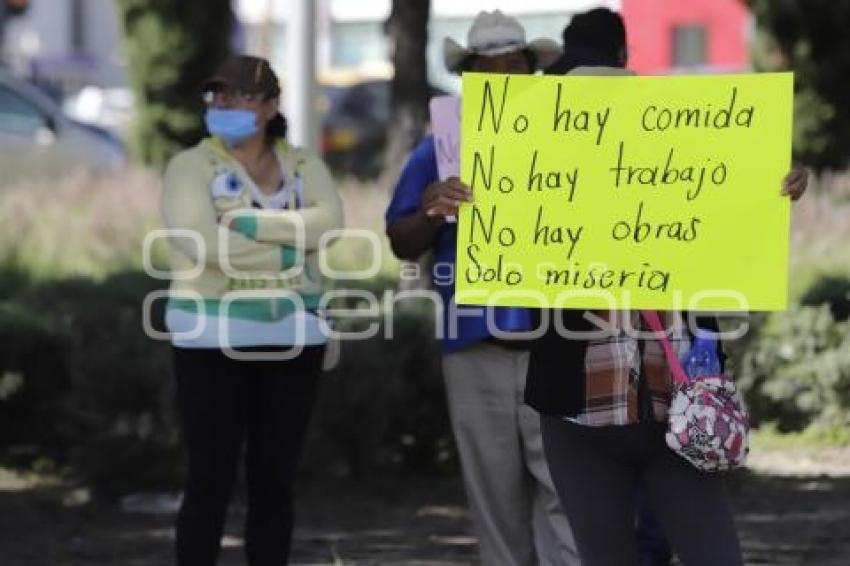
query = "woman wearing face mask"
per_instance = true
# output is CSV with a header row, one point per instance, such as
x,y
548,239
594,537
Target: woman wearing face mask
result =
x,y
247,212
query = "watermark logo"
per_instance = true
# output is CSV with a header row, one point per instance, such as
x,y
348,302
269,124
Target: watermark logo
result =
x,y
365,315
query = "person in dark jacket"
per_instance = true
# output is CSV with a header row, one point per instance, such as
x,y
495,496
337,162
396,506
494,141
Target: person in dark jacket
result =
x,y
603,402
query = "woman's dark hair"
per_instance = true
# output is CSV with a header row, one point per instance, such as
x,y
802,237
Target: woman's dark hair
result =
x,y
594,38
602,30
531,58
276,128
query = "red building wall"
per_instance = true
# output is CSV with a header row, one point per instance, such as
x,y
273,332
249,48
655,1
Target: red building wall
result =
x,y
650,24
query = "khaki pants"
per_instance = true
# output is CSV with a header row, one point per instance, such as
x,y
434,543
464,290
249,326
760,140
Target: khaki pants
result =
x,y
514,507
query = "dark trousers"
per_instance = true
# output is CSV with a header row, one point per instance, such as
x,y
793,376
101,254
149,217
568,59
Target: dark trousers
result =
x,y
597,472
224,403
653,548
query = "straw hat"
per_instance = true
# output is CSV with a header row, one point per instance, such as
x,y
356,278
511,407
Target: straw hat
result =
x,y
494,33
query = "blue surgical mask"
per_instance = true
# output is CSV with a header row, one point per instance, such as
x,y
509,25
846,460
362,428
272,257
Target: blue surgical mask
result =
x,y
233,126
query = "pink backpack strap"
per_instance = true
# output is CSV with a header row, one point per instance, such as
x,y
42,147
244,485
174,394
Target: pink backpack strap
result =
x,y
654,322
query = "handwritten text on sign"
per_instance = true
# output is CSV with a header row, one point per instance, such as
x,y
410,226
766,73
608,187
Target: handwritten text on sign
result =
x,y
625,192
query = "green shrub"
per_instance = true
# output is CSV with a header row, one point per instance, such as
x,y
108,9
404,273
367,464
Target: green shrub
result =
x,y
383,406
767,438
95,391
796,372
34,381
832,290
81,385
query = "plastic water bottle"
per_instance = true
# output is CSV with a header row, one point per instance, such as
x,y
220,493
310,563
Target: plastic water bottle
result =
x,y
702,359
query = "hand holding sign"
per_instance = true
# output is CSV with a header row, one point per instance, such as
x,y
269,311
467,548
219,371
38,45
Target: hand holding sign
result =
x,y
795,183
442,199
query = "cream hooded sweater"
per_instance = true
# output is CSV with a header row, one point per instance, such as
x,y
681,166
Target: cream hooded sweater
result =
x,y
220,244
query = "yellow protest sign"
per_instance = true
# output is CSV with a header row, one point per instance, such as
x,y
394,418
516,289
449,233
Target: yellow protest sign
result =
x,y
625,192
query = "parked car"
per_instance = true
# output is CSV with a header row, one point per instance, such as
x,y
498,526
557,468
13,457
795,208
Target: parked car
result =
x,y
38,140
354,127
355,119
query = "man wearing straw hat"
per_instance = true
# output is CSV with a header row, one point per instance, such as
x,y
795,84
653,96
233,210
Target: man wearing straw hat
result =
x,y
513,505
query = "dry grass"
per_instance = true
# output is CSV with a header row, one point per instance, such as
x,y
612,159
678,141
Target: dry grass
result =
x,y
93,225
83,224
364,206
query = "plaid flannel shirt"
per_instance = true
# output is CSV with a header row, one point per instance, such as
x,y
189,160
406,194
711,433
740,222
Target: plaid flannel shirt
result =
x,y
616,365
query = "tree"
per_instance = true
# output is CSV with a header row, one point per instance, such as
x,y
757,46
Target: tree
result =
x,y
810,37
171,48
407,29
